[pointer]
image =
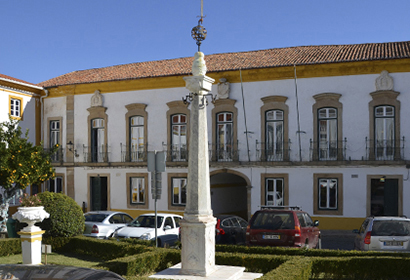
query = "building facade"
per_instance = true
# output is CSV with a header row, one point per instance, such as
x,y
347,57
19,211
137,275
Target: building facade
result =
x,y
320,127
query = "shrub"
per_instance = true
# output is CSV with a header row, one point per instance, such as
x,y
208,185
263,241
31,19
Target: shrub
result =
x,y
66,217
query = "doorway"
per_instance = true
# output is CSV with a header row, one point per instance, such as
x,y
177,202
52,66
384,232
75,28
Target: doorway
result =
x,y
384,197
98,193
229,195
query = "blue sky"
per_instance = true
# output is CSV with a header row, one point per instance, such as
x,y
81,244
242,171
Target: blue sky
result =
x,y
43,39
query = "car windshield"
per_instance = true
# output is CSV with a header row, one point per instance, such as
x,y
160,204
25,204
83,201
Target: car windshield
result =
x,y
146,221
390,228
273,220
95,217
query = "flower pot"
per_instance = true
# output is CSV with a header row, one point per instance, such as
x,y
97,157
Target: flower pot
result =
x,y
31,215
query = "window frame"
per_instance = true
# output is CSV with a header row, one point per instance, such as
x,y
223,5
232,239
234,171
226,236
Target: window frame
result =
x,y
316,200
20,110
224,151
171,205
133,110
384,147
275,176
140,205
179,153
325,148
176,107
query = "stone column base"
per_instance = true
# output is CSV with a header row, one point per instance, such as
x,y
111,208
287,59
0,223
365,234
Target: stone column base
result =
x,y
198,247
31,246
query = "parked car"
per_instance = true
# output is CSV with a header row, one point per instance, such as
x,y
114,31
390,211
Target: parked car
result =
x,y
283,226
143,228
383,234
102,224
230,229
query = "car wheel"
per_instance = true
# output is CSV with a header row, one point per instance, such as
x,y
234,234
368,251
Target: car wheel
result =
x,y
159,243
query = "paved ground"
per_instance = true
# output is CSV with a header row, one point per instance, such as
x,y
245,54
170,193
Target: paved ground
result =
x,y
337,239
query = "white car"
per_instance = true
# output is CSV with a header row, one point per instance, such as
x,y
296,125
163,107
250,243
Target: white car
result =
x,y
383,234
102,224
143,228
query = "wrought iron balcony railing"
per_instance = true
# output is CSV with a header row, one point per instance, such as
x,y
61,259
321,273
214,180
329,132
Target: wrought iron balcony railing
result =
x,y
328,150
57,157
96,153
133,154
176,153
223,152
385,149
273,152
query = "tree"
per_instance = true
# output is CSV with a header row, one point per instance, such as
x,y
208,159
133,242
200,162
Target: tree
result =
x,y
21,164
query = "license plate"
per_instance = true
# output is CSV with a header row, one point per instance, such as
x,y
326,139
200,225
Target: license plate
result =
x,y
271,236
393,243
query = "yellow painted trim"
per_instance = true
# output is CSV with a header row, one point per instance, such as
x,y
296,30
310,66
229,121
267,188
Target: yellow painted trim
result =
x,y
31,233
31,240
21,107
16,92
249,75
338,223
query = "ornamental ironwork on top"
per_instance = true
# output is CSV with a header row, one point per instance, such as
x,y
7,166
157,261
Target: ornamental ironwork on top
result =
x,y
199,33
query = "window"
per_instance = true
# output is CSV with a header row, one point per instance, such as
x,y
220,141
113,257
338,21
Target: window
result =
x,y
224,127
137,143
55,185
15,107
327,129
328,143
179,191
98,140
179,137
137,189
274,191
384,132
224,137
327,194
54,138
274,135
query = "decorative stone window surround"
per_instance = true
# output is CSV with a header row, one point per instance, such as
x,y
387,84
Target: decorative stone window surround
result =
x,y
170,191
97,113
328,100
276,102
389,98
89,175
135,109
220,106
177,107
144,205
283,176
50,119
339,177
21,111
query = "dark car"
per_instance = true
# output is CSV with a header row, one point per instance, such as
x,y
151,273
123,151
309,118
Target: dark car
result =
x,y
230,230
283,226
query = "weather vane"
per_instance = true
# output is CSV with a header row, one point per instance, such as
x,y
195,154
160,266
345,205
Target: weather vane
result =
x,y
198,33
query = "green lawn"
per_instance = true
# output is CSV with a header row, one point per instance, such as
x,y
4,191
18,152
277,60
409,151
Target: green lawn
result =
x,y
66,259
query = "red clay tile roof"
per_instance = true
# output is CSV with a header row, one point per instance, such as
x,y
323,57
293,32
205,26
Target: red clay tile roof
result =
x,y
16,80
241,60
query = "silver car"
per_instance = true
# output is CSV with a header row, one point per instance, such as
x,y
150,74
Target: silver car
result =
x,y
102,224
143,228
383,234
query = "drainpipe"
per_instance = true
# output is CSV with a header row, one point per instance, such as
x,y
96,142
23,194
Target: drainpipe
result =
x,y
42,114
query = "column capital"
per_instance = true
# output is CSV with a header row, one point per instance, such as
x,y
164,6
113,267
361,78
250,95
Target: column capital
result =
x,y
198,84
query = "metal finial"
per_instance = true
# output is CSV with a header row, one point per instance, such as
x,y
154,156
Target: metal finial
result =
x,y
198,33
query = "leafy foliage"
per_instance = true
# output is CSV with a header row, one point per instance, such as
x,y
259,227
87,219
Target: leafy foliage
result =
x,y
66,216
21,162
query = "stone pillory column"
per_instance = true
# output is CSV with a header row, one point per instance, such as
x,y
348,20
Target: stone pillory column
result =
x,y
198,226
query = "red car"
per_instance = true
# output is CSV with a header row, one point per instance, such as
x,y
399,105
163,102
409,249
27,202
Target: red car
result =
x,y
283,226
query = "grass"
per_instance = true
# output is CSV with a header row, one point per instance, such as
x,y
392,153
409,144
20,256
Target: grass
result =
x,y
54,258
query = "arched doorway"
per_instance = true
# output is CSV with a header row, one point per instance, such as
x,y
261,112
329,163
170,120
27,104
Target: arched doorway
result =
x,y
229,193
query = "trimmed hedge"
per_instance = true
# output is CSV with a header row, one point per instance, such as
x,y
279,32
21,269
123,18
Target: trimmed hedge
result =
x,y
10,246
66,216
296,268
362,268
